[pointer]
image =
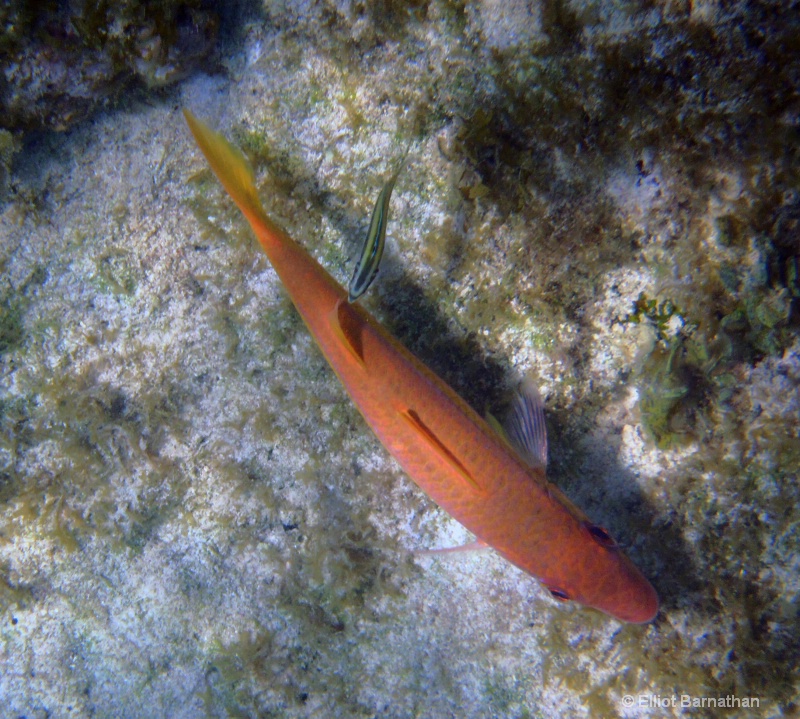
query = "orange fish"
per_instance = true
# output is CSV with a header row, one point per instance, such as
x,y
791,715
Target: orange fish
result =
x,y
466,466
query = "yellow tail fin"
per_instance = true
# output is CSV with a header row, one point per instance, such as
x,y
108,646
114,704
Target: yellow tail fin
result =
x,y
230,166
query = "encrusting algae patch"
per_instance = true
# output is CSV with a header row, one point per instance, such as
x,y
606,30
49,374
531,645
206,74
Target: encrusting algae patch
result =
x,y
195,521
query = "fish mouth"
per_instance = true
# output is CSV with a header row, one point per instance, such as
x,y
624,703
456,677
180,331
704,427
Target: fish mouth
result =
x,y
645,609
624,593
637,604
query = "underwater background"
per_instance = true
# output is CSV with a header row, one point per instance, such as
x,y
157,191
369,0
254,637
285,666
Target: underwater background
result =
x,y
601,195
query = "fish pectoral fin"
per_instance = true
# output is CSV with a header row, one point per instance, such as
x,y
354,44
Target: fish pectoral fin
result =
x,y
347,327
439,448
525,428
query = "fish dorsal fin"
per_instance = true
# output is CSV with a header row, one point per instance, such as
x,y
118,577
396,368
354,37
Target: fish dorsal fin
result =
x,y
525,428
347,328
428,436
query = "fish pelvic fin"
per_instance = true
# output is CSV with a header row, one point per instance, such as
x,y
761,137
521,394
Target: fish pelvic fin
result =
x,y
234,172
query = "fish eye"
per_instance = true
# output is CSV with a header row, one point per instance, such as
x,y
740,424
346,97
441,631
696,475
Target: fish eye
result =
x,y
558,594
601,536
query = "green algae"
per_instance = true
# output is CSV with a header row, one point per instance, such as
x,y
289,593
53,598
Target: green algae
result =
x,y
116,274
13,303
11,330
100,432
662,315
684,378
9,147
746,313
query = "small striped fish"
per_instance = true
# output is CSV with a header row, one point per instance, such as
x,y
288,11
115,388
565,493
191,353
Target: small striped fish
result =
x,y
367,266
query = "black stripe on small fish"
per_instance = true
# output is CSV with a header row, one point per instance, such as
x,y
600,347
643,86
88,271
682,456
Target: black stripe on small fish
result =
x,y
367,266
371,255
